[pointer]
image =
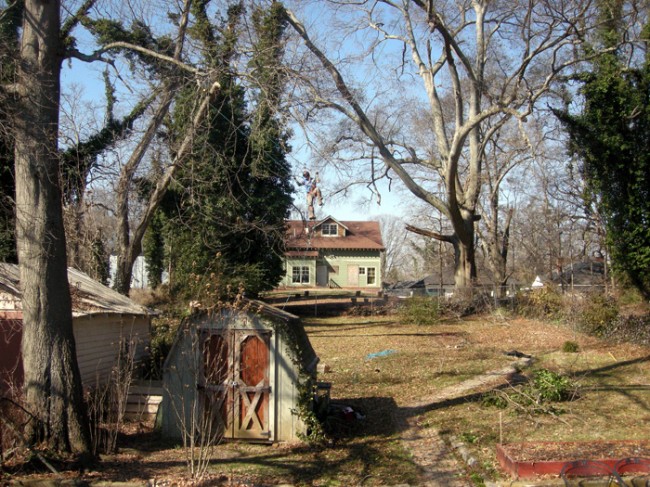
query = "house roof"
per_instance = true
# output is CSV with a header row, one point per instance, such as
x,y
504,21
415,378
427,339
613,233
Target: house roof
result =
x,y
585,273
360,235
88,295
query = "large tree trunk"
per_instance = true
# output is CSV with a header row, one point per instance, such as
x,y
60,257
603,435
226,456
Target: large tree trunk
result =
x,y
496,245
52,383
464,260
464,250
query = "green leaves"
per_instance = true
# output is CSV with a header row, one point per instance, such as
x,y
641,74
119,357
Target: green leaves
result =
x,y
611,135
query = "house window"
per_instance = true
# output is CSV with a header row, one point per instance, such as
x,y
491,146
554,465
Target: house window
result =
x,y
330,229
300,274
371,275
369,272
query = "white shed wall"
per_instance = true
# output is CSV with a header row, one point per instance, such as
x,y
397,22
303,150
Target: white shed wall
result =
x,y
98,339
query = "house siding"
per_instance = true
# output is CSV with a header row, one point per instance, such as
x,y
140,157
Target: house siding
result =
x,y
339,264
97,341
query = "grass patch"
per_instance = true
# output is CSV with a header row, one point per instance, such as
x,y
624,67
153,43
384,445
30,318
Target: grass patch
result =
x,y
612,378
613,404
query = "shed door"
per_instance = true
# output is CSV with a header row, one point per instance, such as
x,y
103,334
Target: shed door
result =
x,y
237,382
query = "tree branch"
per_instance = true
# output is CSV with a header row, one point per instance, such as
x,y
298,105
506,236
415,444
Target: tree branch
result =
x,y
429,233
362,120
74,20
98,56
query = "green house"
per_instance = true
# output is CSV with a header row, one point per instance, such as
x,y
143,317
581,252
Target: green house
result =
x,y
333,254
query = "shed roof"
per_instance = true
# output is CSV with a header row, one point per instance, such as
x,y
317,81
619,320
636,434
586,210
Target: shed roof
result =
x,y
306,357
88,295
360,235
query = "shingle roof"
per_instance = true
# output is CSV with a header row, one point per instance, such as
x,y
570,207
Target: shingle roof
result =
x,y
364,235
88,295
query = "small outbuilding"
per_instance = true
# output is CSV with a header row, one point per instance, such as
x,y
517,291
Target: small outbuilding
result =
x,y
103,322
246,369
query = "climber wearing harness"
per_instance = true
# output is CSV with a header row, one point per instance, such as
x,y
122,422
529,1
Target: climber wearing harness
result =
x,y
312,191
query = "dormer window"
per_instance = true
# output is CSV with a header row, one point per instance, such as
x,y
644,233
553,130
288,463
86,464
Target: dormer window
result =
x,y
329,229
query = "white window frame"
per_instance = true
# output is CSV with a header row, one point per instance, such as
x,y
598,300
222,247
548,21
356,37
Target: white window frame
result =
x,y
299,273
331,227
371,278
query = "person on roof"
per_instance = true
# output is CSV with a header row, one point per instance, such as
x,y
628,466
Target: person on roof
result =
x,y
312,191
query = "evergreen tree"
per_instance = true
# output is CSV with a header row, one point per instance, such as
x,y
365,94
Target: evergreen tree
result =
x,y
234,194
153,249
611,136
9,26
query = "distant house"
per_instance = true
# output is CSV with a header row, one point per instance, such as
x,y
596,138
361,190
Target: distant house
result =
x,y
243,372
431,285
103,322
586,274
333,254
139,274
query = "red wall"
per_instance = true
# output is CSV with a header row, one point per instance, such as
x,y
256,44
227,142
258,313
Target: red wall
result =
x,y
11,366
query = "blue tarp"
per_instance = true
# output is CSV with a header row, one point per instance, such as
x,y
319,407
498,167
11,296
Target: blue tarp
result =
x,y
383,353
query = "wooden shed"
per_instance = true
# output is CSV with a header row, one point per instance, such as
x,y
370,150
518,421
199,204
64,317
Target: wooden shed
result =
x,y
103,321
245,370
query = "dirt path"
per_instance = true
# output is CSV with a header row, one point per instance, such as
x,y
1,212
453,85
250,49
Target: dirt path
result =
x,y
439,465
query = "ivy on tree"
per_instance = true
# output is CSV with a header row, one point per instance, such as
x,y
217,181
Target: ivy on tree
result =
x,y
610,135
233,194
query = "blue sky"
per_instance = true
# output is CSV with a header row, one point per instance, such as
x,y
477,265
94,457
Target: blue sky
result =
x,y
358,204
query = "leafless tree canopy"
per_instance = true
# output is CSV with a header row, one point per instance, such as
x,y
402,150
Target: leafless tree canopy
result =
x,y
421,91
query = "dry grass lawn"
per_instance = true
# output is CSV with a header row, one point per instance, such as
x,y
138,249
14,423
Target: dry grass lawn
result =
x,y
612,379
613,404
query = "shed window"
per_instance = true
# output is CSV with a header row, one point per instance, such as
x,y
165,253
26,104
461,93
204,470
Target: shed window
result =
x,y
330,229
300,274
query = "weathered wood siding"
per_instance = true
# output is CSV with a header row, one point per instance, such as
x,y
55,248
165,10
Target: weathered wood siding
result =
x,y
288,424
11,367
98,338
181,374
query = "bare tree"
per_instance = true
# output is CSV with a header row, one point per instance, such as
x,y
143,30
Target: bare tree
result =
x,y
479,64
52,383
395,240
509,151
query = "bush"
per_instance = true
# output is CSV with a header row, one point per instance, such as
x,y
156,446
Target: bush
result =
x,y
546,302
162,336
598,313
420,311
545,387
634,329
549,386
570,347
